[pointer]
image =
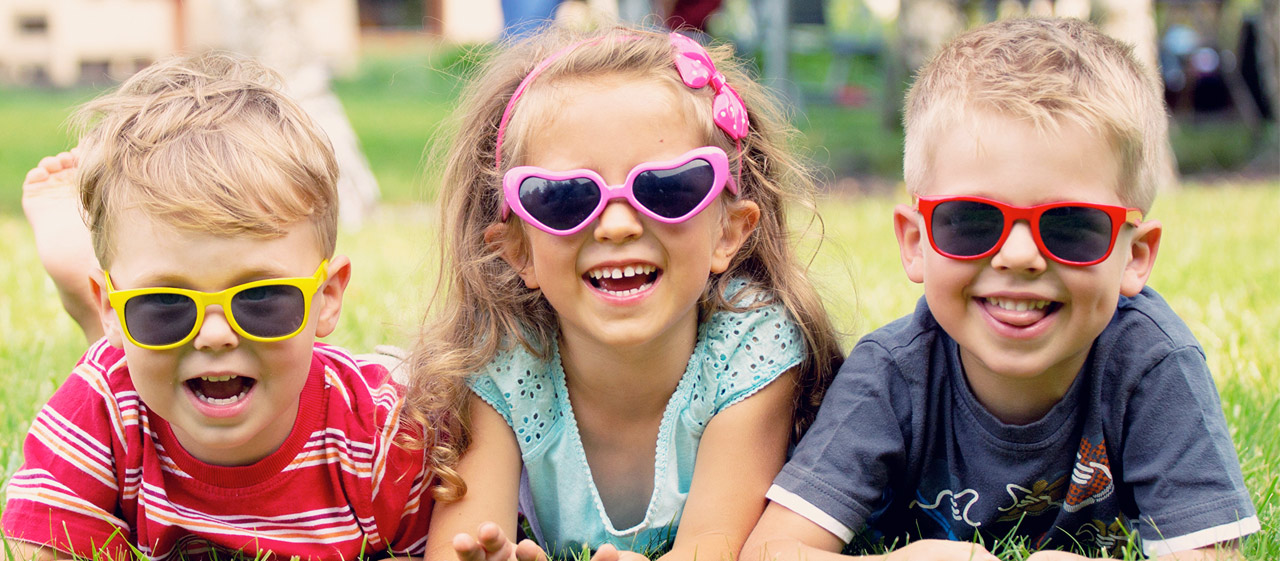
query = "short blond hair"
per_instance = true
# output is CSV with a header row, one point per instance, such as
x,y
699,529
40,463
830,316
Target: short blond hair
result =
x,y
205,143
1048,72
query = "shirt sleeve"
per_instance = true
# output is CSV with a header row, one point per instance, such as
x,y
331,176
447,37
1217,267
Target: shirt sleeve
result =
x,y
1180,462
66,493
404,495
748,350
841,467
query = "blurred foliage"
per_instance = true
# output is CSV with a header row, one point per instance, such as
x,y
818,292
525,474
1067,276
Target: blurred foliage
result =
x,y
407,86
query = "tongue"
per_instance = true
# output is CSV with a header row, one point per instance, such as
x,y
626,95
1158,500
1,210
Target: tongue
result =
x,y
1017,318
221,390
623,284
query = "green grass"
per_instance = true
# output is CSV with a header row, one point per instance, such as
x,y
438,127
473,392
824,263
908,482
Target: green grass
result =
x,y
1219,266
31,127
1219,276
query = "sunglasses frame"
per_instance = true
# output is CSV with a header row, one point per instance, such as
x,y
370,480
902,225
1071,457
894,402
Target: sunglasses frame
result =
x,y
1119,216
307,285
713,155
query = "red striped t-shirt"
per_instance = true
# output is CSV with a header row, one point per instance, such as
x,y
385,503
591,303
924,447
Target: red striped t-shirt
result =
x,y
102,472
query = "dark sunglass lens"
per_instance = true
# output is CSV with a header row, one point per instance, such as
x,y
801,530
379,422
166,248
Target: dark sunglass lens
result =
x,y
269,311
159,319
560,204
966,228
1076,233
673,193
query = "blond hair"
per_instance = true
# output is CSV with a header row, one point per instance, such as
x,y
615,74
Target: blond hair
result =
x,y
1048,72
482,306
206,143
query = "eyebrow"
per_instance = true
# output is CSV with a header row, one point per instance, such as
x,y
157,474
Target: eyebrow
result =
x,y
177,280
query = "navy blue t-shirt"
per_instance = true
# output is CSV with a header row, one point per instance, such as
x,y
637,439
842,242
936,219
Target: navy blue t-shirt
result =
x,y
901,448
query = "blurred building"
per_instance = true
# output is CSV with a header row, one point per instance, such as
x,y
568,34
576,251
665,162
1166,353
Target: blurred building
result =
x,y
65,42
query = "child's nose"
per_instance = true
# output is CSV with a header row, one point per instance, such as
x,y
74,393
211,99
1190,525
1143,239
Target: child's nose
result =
x,y
1019,252
216,332
618,223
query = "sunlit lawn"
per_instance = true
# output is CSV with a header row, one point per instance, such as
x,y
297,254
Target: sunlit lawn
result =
x,y
1219,267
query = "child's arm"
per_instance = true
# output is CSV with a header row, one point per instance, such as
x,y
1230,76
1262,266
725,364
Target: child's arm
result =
x,y
783,535
1220,552
740,452
491,469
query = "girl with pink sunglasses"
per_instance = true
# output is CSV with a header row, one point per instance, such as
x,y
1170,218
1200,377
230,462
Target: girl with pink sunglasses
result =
x,y
624,321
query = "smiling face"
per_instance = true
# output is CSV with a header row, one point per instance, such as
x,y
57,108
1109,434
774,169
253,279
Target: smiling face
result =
x,y
625,280
229,400
1022,320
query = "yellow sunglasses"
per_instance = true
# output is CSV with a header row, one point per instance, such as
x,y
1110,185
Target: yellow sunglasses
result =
x,y
266,310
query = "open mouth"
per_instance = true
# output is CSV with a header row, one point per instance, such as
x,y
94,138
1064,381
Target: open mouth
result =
x,y
1019,312
220,390
623,281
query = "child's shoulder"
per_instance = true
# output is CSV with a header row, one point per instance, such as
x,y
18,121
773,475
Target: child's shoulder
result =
x,y
1149,317
369,370
911,335
518,381
359,390
102,370
758,327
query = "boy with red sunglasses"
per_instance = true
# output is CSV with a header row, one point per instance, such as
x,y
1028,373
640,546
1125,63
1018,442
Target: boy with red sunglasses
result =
x,y
1039,390
209,422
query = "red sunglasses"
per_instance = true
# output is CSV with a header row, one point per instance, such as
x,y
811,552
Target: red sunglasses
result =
x,y
1071,233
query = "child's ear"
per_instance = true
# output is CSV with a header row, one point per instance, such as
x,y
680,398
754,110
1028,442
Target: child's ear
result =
x,y
741,218
106,314
499,236
907,226
1143,247
330,301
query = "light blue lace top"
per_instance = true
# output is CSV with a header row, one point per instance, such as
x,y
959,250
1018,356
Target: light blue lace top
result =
x,y
736,354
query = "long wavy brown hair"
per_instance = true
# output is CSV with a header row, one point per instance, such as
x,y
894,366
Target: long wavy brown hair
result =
x,y
481,305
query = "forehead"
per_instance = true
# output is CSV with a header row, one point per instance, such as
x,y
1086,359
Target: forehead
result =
x,y
1015,161
587,123
147,251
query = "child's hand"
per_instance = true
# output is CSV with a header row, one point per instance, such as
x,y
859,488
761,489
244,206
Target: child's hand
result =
x,y
489,544
941,550
608,552
1048,555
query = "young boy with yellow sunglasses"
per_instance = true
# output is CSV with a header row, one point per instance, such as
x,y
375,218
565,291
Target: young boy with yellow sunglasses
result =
x,y
208,421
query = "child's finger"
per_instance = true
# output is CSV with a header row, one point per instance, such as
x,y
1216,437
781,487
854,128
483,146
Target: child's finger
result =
x,y
467,548
491,537
36,175
606,553
67,159
528,550
52,164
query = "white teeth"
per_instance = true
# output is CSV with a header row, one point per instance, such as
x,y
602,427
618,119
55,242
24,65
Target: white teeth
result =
x,y
1018,305
223,401
627,292
620,272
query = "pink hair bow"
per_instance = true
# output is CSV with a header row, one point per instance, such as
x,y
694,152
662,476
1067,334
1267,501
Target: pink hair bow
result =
x,y
696,70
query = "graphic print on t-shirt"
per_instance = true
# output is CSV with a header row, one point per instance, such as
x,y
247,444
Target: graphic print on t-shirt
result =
x,y
1091,480
958,503
1043,497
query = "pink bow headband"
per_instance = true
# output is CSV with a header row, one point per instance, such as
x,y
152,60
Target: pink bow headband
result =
x,y
696,70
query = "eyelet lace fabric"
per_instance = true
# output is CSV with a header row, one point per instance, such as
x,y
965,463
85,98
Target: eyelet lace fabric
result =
x,y
736,355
